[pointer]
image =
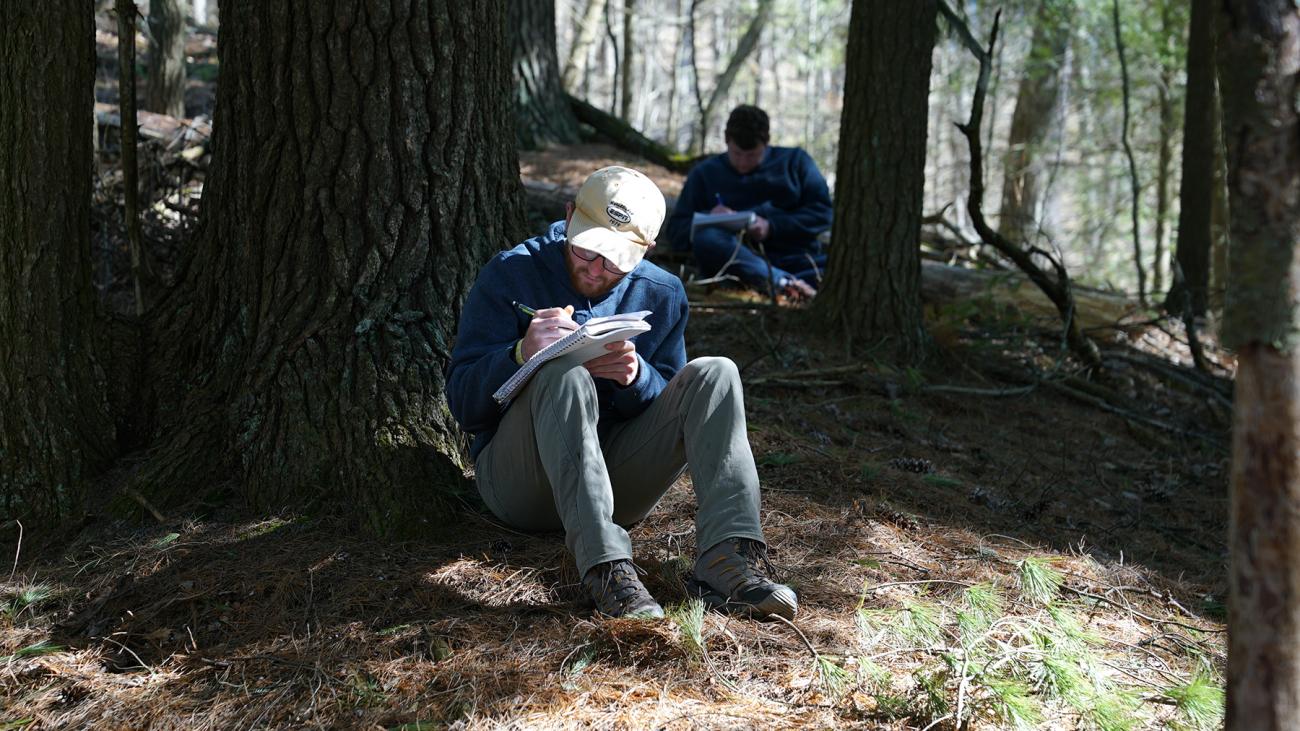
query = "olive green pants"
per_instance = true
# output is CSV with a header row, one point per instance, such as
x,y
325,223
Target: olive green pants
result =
x,y
547,467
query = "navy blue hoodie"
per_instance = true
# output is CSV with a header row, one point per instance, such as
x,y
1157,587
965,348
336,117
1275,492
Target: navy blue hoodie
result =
x,y
533,273
786,188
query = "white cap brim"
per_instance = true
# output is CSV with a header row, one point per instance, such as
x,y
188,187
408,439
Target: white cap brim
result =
x,y
623,249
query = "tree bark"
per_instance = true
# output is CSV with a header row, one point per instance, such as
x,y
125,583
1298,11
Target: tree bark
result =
x,y
1033,119
346,217
873,285
1258,62
1201,150
56,432
165,93
542,110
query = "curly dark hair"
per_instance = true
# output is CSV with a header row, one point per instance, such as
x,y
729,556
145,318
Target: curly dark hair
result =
x,y
747,127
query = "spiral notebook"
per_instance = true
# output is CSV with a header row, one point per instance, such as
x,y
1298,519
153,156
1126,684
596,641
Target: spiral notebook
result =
x,y
579,346
731,221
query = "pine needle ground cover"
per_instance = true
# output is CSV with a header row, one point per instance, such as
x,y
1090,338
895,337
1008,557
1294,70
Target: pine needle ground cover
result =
x,y
983,539
1066,571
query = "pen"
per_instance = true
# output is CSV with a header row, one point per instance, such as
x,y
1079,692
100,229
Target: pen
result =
x,y
718,197
525,309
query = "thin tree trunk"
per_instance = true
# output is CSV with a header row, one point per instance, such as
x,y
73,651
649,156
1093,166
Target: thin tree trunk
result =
x,y
1034,117
541,107
1202,163
629,49
165,93
695,77
670,133
303,357
1259,54
130,167
1135,188
1057,289
1220,215
748,42
587,30
1165,102
56,432
612,57
873,287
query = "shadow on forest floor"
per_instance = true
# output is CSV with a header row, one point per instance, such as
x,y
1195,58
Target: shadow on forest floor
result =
x,y
892,499
883,499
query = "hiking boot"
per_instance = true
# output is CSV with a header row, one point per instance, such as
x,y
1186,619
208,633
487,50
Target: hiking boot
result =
x,y
619,593
732,576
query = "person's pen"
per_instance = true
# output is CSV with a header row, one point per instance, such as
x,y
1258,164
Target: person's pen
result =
x,y
718,197
525,309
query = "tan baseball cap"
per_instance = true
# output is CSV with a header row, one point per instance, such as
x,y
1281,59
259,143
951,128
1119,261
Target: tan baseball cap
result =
x,y
617,215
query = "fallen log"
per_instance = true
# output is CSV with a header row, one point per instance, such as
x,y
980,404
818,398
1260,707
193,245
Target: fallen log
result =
x,y
626,137
943,284
175,132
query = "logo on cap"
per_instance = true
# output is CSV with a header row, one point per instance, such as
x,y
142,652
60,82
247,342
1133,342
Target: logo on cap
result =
x,y
618,214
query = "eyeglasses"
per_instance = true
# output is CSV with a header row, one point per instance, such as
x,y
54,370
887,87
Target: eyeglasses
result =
x,y
586,255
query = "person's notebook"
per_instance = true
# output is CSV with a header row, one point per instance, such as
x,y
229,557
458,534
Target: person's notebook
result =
x,y
732,221
579,346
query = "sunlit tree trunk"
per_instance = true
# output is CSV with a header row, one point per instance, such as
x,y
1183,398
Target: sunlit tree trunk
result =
x,y
873,285
588,27
56,433
1165,103
629,50
1034,117
347,215
1202,147
1260,55
544,116
748,42
670,134
165,92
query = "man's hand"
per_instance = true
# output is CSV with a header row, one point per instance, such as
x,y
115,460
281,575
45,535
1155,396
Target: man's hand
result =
x,y
619,365
759,229
799,290
720,209
548,325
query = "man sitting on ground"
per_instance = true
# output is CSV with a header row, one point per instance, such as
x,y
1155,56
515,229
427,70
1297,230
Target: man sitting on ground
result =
x,y
781,185
592,448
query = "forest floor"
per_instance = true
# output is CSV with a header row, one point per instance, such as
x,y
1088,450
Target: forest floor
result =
x,y
986,536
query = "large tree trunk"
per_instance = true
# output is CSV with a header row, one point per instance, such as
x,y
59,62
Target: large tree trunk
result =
x,y
1260,55
1033,118
873,286
55,427
543,113
166,90
346,216
1201,143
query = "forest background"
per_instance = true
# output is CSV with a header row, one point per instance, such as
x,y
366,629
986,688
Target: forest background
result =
x,y
989,528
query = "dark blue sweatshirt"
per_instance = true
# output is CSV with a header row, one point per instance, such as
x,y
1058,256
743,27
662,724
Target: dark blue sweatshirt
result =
x,y
786,188
533,273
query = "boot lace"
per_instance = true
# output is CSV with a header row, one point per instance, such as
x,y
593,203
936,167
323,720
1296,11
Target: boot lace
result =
x,y
615,586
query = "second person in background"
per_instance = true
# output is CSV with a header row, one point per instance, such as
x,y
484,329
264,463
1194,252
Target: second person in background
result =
x,y
781,186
